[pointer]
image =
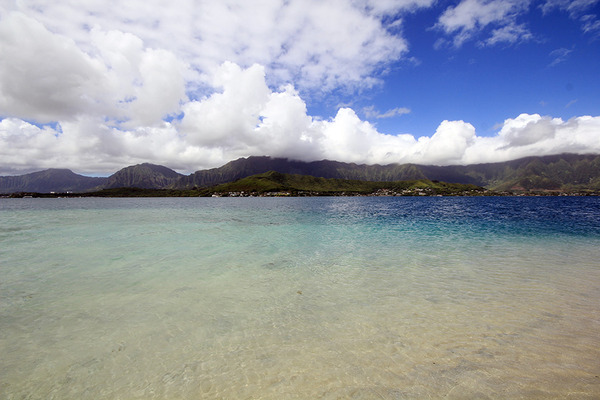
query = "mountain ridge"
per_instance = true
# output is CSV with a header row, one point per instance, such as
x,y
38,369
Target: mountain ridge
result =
x,y
274,183
49,180
143,176
557,172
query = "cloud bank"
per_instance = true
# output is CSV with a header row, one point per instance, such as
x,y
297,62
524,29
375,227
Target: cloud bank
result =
x,y
196,86
244,117
317,44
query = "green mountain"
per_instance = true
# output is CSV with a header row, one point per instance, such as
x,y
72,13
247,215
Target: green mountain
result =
x,y
559,172
143,176
294,184
244,167
50,180
565,172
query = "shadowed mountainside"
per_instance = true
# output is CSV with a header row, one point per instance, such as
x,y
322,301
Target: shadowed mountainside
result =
x,y
295,184
50,180
559,172
244,167
143,176
565,172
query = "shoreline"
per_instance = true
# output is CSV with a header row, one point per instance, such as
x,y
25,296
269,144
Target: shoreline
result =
x,y
137,192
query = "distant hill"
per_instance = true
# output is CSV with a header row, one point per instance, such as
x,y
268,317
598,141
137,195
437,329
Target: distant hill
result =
x,y
277,184
244,167
143,176
50,180
565,172
294,184
559,172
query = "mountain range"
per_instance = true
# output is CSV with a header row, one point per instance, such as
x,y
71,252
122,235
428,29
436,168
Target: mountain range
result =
x,y
564,172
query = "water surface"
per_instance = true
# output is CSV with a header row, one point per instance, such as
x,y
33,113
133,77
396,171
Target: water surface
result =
x,y
300,298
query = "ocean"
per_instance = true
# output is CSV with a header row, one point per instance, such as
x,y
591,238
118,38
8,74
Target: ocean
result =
x,y
300,298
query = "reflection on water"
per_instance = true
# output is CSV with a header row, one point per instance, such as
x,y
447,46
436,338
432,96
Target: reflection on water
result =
x,y
300,298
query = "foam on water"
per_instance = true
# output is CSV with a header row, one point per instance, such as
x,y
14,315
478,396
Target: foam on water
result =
x,y
299,298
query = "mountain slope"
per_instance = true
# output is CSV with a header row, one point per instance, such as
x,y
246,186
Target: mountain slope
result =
x,y
565,172
144,176
244,167
296,184
50,180
559,172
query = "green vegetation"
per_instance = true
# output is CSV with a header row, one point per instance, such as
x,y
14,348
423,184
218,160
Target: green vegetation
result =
x,y
275,183
559,174
145,176
565,172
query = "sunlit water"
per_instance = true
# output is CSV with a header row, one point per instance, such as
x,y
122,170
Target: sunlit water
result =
x,y
302,298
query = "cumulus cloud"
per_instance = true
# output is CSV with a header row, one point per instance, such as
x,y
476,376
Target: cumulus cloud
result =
x,y
316,44
108,84
244,117
533,134
32,87
347,138
448,144
124,81
228,119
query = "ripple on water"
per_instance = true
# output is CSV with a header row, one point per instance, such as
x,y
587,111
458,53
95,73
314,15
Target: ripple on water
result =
x,y
304,298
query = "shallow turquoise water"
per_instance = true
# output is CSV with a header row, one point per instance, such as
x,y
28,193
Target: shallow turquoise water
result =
x,y
300,298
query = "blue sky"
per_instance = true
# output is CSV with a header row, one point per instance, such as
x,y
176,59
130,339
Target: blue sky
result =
x,y
555,72
99,85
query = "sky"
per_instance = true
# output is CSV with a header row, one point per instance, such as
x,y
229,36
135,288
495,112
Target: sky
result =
x,y
98,85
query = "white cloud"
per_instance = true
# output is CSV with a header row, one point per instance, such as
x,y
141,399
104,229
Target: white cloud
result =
x,y
45,77
285,128
527,129
448,144
32,86
313,43
244,117
101,78
347,138
470,17
511,33
227,118
157,88
529,135
390,7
